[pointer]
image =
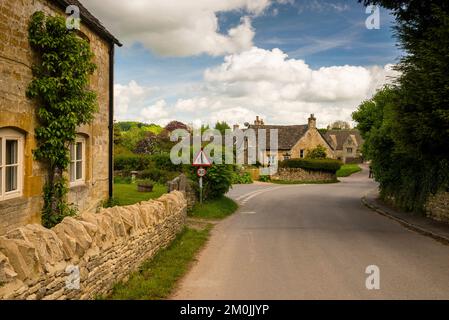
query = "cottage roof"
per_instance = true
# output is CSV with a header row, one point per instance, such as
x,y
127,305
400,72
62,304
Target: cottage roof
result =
x,y
288,136
90,20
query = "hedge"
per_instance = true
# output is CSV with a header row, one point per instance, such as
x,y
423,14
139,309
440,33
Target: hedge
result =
x,y
132,162
328,165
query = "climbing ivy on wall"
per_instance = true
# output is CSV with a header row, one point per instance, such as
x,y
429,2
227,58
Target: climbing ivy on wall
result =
x,y
60,88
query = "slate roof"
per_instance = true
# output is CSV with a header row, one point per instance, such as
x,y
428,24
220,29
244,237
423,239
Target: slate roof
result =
x,y
341,136
88,19
288,136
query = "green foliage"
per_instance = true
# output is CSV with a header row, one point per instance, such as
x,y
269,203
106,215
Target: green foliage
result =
x,y
407,139
132,162
328,165
222,127
217,181
241,178
146,182
319,152
264,178
60,88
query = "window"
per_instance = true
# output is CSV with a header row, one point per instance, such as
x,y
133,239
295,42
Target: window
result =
x,y
11,164
271,159
286,157
77,162
349,150
301,153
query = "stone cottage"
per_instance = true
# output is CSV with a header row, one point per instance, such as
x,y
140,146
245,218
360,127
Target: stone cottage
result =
x,y
21,177
347,145
294,141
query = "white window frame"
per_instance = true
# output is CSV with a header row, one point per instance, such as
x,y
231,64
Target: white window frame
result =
x,y
302,153
10,134
82,180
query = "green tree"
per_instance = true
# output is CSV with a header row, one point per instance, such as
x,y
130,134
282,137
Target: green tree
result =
x,y
418,120
222,127
319,152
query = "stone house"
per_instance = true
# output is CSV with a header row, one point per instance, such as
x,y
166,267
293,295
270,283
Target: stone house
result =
x,y
21,177
294,141
347,145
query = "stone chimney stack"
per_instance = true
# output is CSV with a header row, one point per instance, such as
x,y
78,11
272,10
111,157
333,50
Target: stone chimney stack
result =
x,y
312,122
258,121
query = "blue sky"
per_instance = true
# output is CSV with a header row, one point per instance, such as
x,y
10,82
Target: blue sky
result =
x,y
322,34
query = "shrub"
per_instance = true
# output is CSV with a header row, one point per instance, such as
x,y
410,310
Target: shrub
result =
x,y
217,181
264,178
241,178
319,152
328,165
131,162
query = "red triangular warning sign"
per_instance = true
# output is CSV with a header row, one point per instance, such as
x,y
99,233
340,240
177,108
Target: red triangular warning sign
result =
x,y
201,160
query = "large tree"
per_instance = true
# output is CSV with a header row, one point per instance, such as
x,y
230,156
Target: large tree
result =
x,y
414,133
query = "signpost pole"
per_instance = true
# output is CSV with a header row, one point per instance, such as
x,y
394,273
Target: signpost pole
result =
x,y
201,190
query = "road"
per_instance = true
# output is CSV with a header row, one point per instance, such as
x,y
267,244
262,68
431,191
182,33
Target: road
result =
x,y
314,242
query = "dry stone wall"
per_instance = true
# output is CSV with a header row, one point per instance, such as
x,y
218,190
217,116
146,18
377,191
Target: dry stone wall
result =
x,y
437,207
83,257
298,174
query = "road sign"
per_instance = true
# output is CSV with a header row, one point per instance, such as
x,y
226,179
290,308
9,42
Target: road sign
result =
x,y
201,160
201,172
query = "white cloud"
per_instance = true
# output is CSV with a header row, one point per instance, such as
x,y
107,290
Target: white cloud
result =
x,y
179,28
279,89
127,94
156,113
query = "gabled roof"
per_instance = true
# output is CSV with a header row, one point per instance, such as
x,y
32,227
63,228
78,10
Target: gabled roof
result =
x,y
89,19
288,136
337,138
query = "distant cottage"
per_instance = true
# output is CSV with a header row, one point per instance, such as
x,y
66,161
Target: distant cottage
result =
x,y
22,178
347,145
295,141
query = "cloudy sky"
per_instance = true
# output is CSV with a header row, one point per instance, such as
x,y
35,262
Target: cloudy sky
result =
x,y
208,60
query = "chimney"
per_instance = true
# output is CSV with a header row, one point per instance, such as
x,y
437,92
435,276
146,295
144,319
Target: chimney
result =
x,y
312,122
258,121
235,127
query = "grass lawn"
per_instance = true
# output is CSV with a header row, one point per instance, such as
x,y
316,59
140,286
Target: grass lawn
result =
x,y
157,277
347,169
214,209
127,194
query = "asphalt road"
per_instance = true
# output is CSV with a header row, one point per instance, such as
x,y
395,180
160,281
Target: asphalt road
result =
x,y
314,242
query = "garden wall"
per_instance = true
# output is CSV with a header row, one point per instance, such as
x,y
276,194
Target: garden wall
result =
x,y
437,207
103,248
298,174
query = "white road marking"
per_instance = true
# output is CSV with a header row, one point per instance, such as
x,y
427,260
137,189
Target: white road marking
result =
x,y
248,212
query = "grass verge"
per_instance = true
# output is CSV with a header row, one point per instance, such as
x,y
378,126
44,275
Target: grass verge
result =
x,y
157,277
127,194
347,169
214,209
